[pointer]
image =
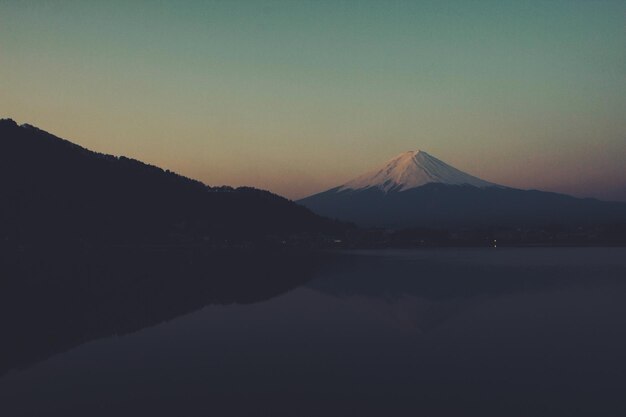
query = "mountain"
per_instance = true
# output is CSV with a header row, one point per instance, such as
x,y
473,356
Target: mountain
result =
x,y
415,189
53,190
411,170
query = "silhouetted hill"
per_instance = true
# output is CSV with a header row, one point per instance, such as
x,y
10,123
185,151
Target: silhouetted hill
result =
x,y
53,190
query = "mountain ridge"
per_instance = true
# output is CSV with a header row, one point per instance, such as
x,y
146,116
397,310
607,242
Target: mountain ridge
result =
x,y
53,190
441,196
412,169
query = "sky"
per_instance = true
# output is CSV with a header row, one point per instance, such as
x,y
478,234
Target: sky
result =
x,y
300,96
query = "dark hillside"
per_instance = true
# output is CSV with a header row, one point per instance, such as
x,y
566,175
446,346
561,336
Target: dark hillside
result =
x,y
53,190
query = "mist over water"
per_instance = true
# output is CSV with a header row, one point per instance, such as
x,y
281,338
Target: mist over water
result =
x,y
485,332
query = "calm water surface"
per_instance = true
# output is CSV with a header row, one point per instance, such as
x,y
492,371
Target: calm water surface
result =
x,y
447,332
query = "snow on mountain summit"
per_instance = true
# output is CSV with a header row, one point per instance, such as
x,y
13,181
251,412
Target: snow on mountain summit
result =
x,y
410,170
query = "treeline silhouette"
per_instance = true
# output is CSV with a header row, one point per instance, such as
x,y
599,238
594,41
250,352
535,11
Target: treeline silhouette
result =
x,y
609,234
55,191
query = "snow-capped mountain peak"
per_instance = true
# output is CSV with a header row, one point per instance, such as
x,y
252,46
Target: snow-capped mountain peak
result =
x,y
410,170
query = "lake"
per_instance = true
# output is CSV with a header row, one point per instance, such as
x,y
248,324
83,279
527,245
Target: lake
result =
x,y
432,332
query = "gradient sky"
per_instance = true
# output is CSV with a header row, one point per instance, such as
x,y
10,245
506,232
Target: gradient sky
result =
x,y
299,96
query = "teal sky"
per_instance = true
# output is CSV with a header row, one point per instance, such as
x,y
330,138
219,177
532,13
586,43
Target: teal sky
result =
x,y
298,96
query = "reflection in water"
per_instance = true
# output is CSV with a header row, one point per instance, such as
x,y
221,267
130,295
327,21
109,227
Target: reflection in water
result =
x,y
53,301
420,290
437,333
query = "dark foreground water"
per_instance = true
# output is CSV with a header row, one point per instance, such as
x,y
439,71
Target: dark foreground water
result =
x,y
450,332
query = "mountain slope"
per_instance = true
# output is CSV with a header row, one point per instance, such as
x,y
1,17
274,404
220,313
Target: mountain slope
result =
x,y
55,190
417,190
410,170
